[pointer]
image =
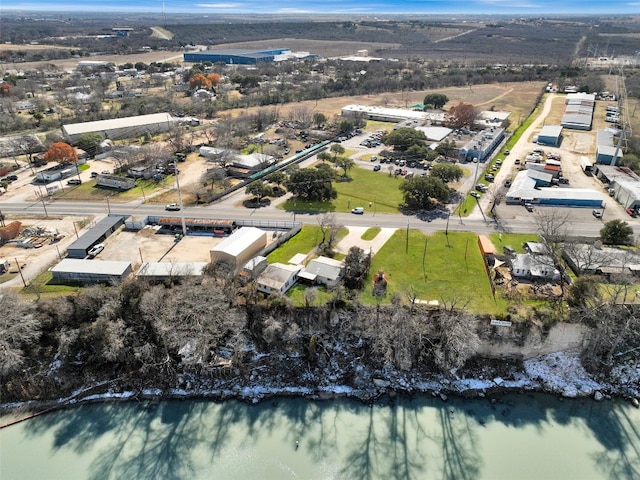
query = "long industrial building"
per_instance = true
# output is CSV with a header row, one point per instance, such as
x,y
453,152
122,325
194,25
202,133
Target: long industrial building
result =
x,y
236,56
117,128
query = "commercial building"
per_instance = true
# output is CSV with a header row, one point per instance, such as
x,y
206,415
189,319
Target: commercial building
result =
x,y
118,128
90,271
607,152
578,113
481,145
236,56
237,249
523,190
394,115
489,118
623,184
550,135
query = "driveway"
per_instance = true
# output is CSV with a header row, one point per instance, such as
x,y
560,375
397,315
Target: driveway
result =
x,y
354,239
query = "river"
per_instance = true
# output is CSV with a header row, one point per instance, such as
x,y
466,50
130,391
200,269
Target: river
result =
x,y
518,437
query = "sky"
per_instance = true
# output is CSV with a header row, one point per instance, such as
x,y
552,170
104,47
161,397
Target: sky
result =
x,y
355,7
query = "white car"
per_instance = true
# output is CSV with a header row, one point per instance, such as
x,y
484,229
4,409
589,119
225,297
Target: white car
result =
x,y
358,210
95,250
172,207
475,194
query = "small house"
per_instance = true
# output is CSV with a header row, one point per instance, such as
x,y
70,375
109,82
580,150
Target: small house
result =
x,y
278,277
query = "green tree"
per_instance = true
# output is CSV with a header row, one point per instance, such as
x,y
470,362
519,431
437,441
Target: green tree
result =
x,y
447,172
312,184
325,156
90,143
403,138
616,232
423,192
345,163
259,190
276,177
436,100
319,119
337,149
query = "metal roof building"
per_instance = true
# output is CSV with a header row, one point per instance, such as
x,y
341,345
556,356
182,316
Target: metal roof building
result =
x,y
238,248
606,150
390,114
523,190
236,56
90,271
96,234
550,135
278,277
578,114
117,128
161,271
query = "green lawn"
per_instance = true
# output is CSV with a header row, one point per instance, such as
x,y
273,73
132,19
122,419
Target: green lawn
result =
x,y
452,272
296,293
89,191
382,190
512,240
371,233
306,240
41,286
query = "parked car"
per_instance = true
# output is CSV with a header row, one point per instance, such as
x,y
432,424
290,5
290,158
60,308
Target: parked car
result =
x,y
597,213
376,168
373,158
507,183
529,207
358,210
95,250
74,181
481,187
632,212
173,207
106,172
507,152
489,177
94,174
12,178
474,194
517,162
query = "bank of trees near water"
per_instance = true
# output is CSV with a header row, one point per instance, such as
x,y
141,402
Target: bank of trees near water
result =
x,y
148,336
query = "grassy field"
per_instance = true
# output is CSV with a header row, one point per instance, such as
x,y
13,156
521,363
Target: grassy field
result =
x,y
41,286
453,270
305,241
297,292
371,233
382,190
89,191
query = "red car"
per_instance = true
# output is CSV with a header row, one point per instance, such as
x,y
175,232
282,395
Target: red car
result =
x,y
632,212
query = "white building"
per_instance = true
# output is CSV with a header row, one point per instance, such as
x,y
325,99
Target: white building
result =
x,y
239,247
90,271
323,270
117,128
278,277
534,267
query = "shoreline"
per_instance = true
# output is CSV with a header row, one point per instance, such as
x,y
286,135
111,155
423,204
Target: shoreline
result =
x,y
571,382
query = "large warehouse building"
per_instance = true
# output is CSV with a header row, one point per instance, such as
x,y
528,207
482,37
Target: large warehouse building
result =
x,y
236,56
237,249
524,190
90,271
117,128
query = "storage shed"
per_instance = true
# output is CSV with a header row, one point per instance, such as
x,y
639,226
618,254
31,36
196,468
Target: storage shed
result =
x,y
550,135
90,271
239,247
98,233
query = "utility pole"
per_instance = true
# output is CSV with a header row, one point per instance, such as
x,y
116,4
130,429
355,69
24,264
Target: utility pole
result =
x,y
184,225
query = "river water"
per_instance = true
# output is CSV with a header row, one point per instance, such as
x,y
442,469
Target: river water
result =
x,y
519,437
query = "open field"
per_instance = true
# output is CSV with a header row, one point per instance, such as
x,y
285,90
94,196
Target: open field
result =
x,y
518,98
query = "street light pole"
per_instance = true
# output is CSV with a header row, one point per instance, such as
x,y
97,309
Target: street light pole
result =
x,y
184,225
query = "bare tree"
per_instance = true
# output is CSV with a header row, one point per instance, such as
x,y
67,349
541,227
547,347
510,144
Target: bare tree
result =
x,y
19,330
329,228
553,230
